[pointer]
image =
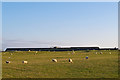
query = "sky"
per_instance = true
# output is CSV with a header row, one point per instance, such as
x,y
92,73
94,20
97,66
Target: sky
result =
x,y
48,24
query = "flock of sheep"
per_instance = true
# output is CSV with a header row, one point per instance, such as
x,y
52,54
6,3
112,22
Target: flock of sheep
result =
x,y
25,62
55,60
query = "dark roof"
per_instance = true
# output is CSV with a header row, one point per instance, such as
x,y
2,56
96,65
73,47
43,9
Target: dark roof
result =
x,y
51,49
59,49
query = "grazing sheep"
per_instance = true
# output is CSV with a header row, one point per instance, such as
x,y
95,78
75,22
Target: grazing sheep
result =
x,y
25,62
68,53
54,60
70,61
11,54
7,62
73,51
101,53
110,52
86,57
36,51
96,53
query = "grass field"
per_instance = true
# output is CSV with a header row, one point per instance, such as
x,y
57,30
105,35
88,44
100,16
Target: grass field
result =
x,y
40,64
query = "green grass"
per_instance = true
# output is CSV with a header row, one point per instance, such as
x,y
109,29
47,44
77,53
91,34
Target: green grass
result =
x,y
40,65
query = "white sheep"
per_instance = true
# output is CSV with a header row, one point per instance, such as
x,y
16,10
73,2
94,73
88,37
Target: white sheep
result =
x,y
7,62
96,53
73,52
25,62
110,52
70,61
54,60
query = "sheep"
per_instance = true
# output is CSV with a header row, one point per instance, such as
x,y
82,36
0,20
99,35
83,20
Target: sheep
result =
x,y
101,53
73,52
86,57
54,60
96,53
110,52
25,62
7,62
70,61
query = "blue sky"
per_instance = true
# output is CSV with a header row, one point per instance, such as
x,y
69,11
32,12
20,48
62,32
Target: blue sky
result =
x,y
46,24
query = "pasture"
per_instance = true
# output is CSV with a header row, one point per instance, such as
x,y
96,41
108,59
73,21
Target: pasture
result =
x,y
40,64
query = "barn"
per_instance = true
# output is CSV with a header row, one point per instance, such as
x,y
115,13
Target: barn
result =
x,y
59,49
53,49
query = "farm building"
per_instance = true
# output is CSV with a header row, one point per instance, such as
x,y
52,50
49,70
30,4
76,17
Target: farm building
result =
x,y
59,49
